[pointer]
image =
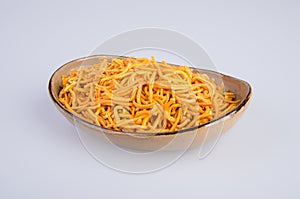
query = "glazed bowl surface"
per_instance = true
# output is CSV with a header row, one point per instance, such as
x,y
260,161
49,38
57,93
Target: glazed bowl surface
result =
x,y
190,137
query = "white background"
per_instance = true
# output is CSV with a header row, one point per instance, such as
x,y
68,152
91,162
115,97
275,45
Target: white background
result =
x,y
258,41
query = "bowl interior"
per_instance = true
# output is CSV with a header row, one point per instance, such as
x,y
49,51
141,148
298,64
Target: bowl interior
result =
x,y
241,88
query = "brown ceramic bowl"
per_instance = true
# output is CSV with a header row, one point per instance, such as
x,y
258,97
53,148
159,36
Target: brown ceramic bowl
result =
x,y
148,141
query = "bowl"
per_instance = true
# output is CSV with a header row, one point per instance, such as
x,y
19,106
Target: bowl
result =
x,y
176,140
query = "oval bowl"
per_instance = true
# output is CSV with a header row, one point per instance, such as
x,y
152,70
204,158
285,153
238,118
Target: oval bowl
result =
x,y
181,139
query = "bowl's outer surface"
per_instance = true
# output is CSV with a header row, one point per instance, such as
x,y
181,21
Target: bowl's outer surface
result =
x,y
180,140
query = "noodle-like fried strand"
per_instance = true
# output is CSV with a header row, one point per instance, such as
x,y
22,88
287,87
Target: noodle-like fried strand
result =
x,y
139,94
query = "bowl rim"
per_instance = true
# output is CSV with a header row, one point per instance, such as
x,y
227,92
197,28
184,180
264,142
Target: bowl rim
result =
x,y
212,122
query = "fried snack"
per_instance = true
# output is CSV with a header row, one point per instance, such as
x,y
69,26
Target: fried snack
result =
x,y
142,95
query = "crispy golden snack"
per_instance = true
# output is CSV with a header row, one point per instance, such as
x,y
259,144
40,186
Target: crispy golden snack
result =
x,y
138,94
